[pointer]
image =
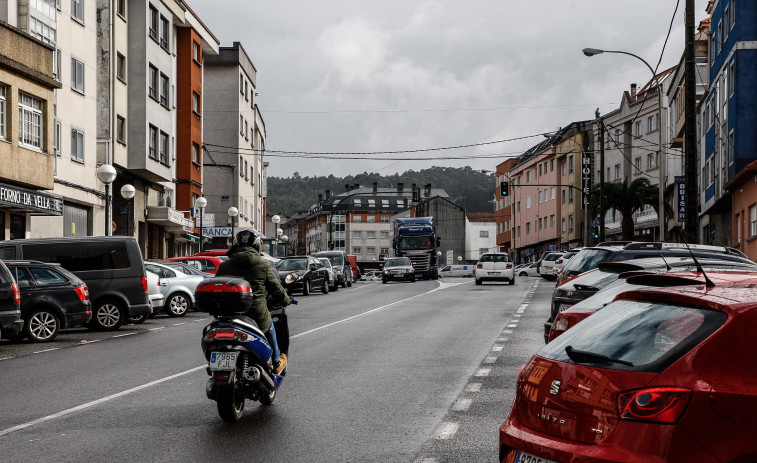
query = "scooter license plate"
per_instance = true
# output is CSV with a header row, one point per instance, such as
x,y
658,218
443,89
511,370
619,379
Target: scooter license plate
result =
x,y
223,361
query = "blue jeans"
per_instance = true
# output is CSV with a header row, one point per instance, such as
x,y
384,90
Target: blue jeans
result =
x,y
271,335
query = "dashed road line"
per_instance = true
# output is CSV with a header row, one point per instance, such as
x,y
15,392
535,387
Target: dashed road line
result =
x,y
462,405
446,430
473,387
497,348
482,372
46,350
490,359
124,334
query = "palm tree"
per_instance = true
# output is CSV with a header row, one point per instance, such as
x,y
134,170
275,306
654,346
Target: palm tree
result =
x,y
626,199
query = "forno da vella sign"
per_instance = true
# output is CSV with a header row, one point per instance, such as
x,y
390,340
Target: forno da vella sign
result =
x,y
30,200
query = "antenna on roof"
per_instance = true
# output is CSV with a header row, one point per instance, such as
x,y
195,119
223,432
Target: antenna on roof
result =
x,y
707,280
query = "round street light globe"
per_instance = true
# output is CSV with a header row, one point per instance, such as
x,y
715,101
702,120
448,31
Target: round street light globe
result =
x,y
128,191
284,238
279,232
275,219
201,202
233,211
459,258
106,173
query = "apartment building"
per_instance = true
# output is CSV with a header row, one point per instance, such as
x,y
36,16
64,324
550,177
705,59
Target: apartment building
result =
x,y
480,234
27,159
503,209
575,161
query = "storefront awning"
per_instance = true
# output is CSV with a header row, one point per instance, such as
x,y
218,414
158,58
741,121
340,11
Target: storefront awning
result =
x,y
30,201
192,238
169,218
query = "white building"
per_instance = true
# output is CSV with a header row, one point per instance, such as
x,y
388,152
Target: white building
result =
x,y
480,234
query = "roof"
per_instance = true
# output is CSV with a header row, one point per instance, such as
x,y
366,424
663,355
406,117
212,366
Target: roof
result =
x,y
482,216
741,176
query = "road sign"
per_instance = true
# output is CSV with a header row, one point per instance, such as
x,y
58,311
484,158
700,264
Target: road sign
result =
x,y
552,247
595,222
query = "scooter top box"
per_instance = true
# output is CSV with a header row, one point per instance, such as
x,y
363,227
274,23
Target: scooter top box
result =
x,y
223,296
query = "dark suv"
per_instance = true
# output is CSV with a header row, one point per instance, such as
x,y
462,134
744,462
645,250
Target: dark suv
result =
x,y
341,263
10,313
52,298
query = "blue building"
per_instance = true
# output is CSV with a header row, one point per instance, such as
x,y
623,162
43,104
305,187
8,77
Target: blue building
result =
x,y
727,119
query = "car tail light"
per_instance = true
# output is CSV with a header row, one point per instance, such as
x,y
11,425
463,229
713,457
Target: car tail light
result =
x,y
560,261
559,326
144,284
509,265
223,288
479,265
16,293
655,405
83,293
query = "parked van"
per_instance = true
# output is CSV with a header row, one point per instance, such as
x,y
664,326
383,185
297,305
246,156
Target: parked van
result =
x,y
457,271
111,266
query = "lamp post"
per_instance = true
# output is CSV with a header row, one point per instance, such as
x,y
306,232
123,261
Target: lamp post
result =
x,y
106,173
275,219
233,212
285,240
661,213
200,204
279,234
127,192
438,259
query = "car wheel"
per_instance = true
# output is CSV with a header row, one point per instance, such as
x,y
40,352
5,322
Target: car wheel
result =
x,y
523,274
108,315
479,282
512,281
139,320
384,281
325,286
177,305
42,325
412,279
336,286
306,287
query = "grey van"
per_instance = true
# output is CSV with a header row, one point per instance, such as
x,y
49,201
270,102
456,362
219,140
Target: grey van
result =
x,y
340,262
111,266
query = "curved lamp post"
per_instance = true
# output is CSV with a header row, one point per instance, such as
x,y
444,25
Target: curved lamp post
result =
x,y
200,204
127,192
106,173
661,213
233,212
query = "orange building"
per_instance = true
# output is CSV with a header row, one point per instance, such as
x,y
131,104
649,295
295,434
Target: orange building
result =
x,y
743,190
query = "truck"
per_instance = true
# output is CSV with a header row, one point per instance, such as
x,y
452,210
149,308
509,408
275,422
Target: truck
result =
x,y
415,237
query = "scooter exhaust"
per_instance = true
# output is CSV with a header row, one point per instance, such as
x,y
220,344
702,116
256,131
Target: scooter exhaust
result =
x,y
256,374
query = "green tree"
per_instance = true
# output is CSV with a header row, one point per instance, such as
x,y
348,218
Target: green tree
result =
x,y
626,198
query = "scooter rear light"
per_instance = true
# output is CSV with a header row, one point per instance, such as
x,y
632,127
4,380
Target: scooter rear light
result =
x,y
663,405
226,334
83,293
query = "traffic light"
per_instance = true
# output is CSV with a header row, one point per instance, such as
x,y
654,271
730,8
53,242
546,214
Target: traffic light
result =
x,y
503,188
596,233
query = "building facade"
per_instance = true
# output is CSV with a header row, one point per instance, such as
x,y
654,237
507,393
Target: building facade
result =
x,y
503,209
480,235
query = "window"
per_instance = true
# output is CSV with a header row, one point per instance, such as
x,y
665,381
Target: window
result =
x,y
41,31
650,161
732,78
528,228
617,171
121,129
152,82
539,170
56,64
570,222
727,16
552,221
651,125
617,136
245,170
540,198
551,165
241,125
540,223
737,224
246,92
77,145
357,202
370,218
164,32
164,90
77,10
357,218
357,250
564,196
153,141
731,148
164,148
384,235
528,202
196,53
357,234
121,67
638,128
241,84
637,164
384,203
77,75
195,104
570,164
752,220
121,8
195,153
154,23
241,164
733,14
563,224
57,138
370,235
384,251
246,135
2,112
371,203
483,233
552,193
528,176
719,39
570,196
30,126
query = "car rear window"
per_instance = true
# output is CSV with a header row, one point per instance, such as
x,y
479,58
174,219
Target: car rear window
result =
x,y
586,260
593,278
553,257
606,295
649,335
494,258
46,276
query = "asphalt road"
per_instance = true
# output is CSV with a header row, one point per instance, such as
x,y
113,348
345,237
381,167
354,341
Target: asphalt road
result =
x,y
406,372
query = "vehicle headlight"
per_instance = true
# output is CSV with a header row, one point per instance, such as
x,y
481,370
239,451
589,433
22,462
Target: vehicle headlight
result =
x,y
386,272
291,278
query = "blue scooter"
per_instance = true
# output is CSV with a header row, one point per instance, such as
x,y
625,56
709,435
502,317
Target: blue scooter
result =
x,y
237,351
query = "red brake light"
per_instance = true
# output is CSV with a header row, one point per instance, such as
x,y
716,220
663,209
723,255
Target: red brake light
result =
x,y
560,260
144,284
479,265
222,288
16,293
224,334
83,292
509,265
655,404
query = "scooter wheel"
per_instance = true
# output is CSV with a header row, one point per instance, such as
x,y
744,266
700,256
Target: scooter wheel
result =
x,y
230,406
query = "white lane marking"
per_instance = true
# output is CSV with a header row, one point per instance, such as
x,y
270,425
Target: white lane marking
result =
x,y
179,324
97,402
502,339
490,359
482,372
125,334
473,387
512,325
497,348
6,358
90,342
46,350
427,460
158,328
462,405
508,331
446,430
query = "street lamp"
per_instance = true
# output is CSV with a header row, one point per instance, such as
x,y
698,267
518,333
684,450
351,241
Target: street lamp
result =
x,y
233,212
200,204
106,173
127,192
285,240
661,213
275,219
459,259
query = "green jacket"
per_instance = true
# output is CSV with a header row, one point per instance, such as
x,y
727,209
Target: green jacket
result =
x,y
245,262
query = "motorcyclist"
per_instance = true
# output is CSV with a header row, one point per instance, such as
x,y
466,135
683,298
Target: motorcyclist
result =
x,y
245,262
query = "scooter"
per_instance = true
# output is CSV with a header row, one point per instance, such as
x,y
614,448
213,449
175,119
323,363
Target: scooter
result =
x,y
238,353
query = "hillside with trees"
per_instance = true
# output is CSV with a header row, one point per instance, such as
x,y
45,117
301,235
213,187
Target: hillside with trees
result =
x,y
471,189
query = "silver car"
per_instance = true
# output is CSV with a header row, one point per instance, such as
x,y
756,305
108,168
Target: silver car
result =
x,y
333,274
178,288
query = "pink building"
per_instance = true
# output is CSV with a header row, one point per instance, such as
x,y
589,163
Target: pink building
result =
x,y
536,202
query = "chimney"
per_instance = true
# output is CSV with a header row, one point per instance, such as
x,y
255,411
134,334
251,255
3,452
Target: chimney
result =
x,y
347,187
320,199
328,194
427,189
400,187
633,92
413,187
375,187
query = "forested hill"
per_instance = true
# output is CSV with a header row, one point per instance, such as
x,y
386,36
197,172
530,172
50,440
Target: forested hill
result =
x,y
471,189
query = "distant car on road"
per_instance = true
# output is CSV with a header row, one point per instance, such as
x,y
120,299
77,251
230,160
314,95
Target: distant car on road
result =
x,y
310,271
528,270
333,274
547,268
177,288
398,268
494,266
342,265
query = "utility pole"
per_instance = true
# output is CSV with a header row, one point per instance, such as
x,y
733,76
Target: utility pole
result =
x,y
601,180
691,228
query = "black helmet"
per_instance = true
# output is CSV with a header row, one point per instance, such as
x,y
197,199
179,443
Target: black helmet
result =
x,y
249,237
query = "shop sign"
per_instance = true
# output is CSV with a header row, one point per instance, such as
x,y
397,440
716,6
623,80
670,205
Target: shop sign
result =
x,y
30,200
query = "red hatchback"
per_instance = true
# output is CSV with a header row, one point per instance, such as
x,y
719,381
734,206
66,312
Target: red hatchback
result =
x,y
659,375
207,264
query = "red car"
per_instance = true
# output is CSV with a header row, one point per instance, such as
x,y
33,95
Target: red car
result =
x,y
207,264
659,375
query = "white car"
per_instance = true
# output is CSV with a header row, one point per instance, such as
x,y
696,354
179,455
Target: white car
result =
x,y
560,263
494,266
177,288
528,270
157,300
547,268
456,271
333,276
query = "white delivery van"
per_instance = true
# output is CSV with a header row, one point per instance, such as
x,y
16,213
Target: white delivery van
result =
x,y
457,271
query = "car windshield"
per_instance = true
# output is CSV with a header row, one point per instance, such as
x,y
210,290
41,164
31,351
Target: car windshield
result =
x,y
292,264
335,260
397,262
586,260
415,242
325,261
593,278
648,335
606,295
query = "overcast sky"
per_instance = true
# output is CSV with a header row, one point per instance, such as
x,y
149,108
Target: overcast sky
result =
x,y
366,76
